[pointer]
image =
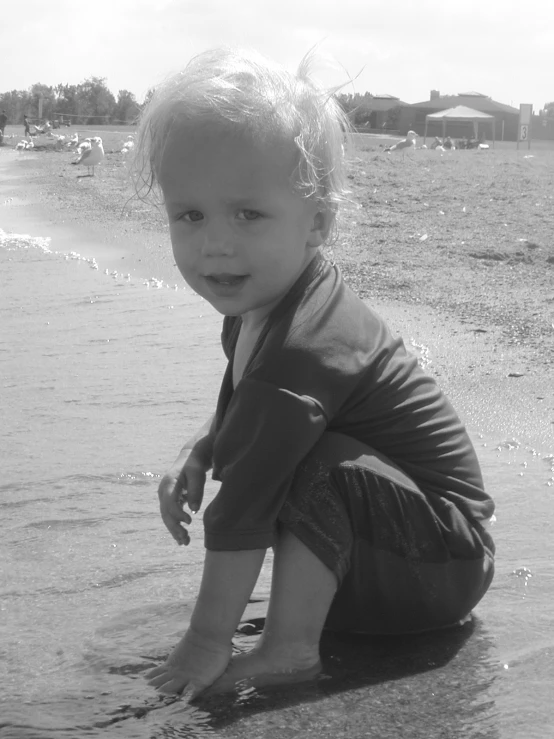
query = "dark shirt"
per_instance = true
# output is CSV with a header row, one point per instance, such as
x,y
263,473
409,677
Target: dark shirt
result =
x,y
326,361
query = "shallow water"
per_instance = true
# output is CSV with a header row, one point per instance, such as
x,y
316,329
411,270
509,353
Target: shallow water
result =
x,y
103,377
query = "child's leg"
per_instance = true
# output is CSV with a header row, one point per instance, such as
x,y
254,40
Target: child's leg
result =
x,y
406,561
302,590
361,548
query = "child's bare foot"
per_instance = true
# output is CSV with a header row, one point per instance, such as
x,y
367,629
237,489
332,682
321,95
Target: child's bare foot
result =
x,y
195,663
257,669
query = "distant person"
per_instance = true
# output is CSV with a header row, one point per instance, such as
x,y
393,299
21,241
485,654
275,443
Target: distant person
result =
x,y
332,445
26,124
448,143
3,121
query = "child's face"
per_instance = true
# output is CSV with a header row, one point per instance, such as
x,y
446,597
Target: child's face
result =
x,y
241,236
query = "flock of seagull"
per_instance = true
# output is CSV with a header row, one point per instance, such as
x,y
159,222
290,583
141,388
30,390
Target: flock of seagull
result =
x,y
409,143
90,151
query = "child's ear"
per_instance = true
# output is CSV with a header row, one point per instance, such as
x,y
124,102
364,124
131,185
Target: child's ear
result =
x,y
323,220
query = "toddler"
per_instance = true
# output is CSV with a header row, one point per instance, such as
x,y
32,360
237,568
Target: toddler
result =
x,y
331,444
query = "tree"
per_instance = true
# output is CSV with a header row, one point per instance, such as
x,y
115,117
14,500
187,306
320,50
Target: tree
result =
x,y
38,91
126,109
393,117
65,99
94,101
548,109
14,103
90,102
357,107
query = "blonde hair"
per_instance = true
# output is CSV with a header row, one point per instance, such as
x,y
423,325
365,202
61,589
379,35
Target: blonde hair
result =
x,y
242,89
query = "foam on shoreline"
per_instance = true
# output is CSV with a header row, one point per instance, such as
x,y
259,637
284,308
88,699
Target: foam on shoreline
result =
x,y
23,213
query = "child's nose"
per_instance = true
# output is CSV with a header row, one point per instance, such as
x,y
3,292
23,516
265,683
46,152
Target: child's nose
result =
x,y
218,240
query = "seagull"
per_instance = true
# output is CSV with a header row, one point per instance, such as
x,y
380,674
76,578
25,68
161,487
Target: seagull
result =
x,y
74,140
128,145
84,145
91,157
58,140
408,143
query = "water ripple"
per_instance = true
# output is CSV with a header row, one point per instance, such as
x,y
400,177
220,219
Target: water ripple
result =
x,y
65,523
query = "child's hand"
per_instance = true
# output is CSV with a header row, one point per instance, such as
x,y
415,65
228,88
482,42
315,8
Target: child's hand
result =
x,y
195,663
183,483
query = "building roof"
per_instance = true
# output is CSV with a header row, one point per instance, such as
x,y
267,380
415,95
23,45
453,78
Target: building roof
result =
x,y
385,102
476,101
459,113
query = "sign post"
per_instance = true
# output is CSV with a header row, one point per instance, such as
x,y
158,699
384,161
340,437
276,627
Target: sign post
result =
x,y
524,126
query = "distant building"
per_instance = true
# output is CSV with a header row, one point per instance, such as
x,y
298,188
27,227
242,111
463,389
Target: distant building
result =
x,y
381,112
412,117
382,108
542,126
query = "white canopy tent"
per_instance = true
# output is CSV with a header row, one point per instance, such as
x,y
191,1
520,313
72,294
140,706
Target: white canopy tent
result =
x,y
460,114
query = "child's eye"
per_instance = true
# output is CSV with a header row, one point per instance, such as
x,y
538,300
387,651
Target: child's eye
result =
x,y
192,216
248,215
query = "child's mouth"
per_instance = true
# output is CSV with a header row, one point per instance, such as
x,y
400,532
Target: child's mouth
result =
x,y
226,279
224,284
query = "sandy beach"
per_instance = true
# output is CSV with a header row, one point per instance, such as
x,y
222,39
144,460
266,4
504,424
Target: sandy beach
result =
x,y
454,250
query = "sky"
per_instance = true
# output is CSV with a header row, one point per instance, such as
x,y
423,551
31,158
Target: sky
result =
x,y
502,48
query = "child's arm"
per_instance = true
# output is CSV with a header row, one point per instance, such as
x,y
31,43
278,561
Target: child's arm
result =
x,y
184,481
204,652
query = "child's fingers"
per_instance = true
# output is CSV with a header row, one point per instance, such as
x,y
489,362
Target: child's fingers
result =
x,y
166,680
173,684
195,490
192,501
192,691
177,512
156,671
178,532
172,516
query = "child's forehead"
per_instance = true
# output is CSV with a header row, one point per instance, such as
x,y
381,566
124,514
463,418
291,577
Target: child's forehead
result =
x,y
229,135
192,148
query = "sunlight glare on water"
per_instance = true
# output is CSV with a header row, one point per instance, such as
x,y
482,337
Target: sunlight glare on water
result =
x,y
103,378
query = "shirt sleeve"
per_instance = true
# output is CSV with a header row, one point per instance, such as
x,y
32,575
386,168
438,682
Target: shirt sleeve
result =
x,y
265,434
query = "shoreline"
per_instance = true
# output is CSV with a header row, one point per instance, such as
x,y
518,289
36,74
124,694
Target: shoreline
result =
x,y
68,210
501,388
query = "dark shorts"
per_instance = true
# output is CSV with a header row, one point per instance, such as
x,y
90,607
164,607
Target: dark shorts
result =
x,y
402,564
